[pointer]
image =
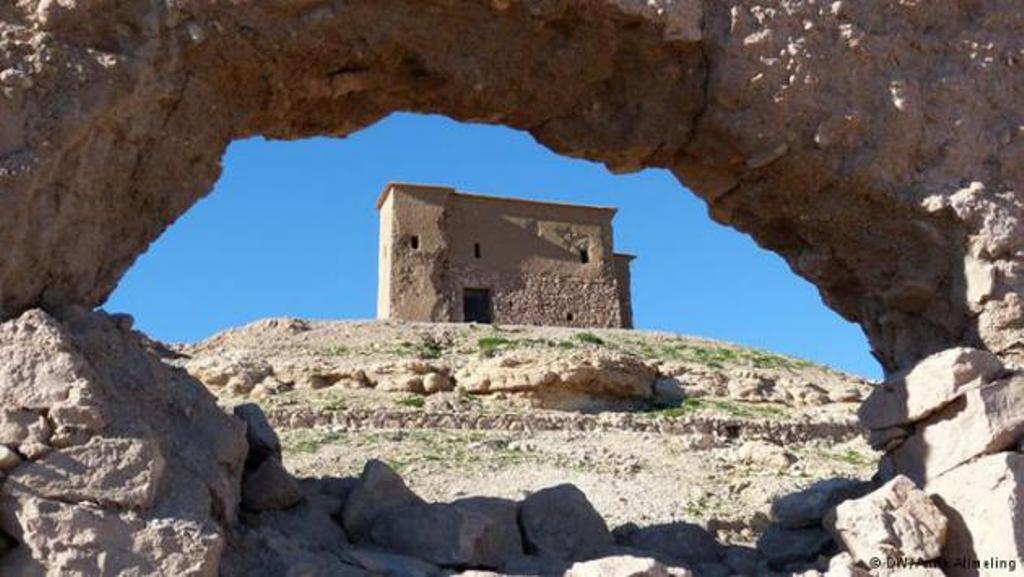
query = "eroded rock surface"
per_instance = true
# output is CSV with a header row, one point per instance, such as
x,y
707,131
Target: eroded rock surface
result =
x,y
126,466
795,123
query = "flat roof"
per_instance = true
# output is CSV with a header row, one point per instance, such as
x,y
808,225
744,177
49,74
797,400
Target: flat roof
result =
x,y
450,190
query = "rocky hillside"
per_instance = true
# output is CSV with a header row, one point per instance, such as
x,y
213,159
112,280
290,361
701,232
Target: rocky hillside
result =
x,y
383,365
655,428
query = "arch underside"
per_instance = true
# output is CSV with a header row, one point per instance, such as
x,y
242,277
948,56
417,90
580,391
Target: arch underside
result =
x,y
873,145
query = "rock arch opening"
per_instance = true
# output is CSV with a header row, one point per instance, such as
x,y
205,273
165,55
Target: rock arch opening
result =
x,y
816,129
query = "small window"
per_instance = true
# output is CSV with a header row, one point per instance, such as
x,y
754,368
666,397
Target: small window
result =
x,y
476,250
584,256
414,242
569,317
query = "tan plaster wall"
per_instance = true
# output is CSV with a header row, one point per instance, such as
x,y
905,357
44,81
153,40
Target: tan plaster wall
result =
x,y
529,259
417,285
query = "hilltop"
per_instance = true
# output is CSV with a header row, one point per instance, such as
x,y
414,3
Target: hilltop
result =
x,y
654,427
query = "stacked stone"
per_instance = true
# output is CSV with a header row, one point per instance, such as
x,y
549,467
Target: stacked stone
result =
x,y
953,424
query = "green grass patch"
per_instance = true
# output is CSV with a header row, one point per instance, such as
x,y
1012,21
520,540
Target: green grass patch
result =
x,y
589,338
712,356
427,347
740,409
307,440
412,402
491,345
850,457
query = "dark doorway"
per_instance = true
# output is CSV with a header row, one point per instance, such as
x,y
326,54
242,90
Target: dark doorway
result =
x,y
476,305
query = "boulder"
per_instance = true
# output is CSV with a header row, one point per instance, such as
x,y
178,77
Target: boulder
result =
x,y
673,543
446,534
269,486
982,421
263,441
310,523
625,566
533,565
560,522
984,503
896,521
112,472
379,489
8,458
381,564
741,560
929,386
141,470
784,547
843,565
806,508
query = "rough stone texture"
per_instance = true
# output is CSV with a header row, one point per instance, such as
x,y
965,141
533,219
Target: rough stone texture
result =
x,y
984,502
559,522
379,489
875,145
808,507
674,543
137,468
625,566
932,384
783,547
436,241
896,521
269,486
446,534
985,420
795,123
263,441
118,473
562,381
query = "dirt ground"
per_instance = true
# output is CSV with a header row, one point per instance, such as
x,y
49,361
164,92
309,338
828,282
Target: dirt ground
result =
x,y
716,454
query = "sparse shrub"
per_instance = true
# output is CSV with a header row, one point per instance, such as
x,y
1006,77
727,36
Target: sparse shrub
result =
x,y
412,402
490,345
589,338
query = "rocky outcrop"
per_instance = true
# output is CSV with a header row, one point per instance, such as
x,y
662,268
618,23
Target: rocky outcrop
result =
x,y
954,426
984,502
124,465
897,521
795,125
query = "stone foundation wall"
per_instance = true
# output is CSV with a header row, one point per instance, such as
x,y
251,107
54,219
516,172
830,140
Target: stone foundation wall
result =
x,y
539,299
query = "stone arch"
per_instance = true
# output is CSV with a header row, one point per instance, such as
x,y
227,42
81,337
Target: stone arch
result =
x,y
875,145
813,128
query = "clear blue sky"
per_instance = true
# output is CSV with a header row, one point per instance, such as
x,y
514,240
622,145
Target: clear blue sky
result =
x,y
291,229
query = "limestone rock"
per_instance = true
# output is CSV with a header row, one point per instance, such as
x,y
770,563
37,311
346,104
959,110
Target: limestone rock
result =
x,y
263,441
897,520
808,507
783,547
8,458
269,486
984,503
560,522
984,420
445,534
625,566
70,539
932,384
113,472
150,466
235,372
591,373
379,489
673,543
390,564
